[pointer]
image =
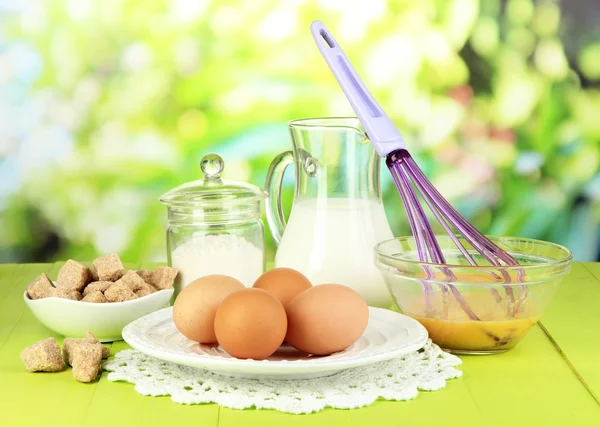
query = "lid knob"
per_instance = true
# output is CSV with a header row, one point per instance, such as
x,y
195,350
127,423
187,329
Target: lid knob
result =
x,y
212,165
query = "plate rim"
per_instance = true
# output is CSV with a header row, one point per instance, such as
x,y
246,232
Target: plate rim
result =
x,y
232,364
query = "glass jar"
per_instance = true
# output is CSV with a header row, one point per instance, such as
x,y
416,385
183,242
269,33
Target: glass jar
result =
x,y
214,227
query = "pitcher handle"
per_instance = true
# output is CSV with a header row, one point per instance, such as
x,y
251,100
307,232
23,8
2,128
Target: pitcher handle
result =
x,y
274,210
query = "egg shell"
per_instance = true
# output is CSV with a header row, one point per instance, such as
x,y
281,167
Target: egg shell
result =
x,y
195,307
325,319
250,324
283,283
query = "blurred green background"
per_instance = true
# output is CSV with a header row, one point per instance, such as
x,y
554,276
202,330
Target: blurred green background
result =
x,y
107,104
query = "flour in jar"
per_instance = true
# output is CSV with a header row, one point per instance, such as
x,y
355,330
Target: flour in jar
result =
x,y
226,254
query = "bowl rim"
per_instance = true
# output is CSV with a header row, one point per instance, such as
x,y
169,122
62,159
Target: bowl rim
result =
x,y
566,260
112,304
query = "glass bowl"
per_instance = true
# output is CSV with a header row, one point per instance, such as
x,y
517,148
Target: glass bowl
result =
x,y
481,309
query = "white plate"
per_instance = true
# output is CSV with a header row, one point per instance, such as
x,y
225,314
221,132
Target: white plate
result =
x,y
74,319
388,335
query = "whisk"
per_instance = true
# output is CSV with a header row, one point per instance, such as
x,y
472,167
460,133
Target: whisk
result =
x,y
410,180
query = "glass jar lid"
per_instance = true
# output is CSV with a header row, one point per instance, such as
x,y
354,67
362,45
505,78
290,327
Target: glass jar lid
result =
x,y
212,190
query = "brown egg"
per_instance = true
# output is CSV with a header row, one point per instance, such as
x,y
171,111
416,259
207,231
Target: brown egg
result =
x,y
250,324
326,319
283,283
195,307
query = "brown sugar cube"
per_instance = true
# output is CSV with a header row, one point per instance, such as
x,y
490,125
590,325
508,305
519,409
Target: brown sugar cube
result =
x,y
97,286
119,292
95,277
109,267
66,294
164,277
91,339
137,284
67,349
148,288
145,290
132,280
41,287
74,276
146,275
86,360
43,356
69,344
95,296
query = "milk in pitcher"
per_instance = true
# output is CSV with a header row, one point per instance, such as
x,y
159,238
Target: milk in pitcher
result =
x,y
331,241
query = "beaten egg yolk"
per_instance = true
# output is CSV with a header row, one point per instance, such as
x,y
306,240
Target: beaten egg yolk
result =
x,y
500,326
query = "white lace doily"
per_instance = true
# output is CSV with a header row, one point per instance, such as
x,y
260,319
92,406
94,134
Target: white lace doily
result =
x,y
397,379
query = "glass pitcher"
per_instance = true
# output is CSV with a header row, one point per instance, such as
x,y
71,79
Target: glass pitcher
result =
x,y
337,216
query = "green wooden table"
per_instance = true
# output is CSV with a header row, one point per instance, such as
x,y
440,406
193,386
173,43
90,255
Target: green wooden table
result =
x,y
552,378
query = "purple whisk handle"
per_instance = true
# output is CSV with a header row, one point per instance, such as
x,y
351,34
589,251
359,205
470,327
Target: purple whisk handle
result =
x,y
380,129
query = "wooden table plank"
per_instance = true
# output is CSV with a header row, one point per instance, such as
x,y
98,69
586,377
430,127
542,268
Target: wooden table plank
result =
x,y
530,385
454,402
271,418
573,322
30,399
7,279
8,268
19,329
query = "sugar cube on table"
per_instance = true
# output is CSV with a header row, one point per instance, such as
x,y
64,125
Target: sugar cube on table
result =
x,y
67,349
91,339
69,344
86,360
43,356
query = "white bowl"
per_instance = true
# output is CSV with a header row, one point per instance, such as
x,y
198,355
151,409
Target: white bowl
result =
x,y
106,321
